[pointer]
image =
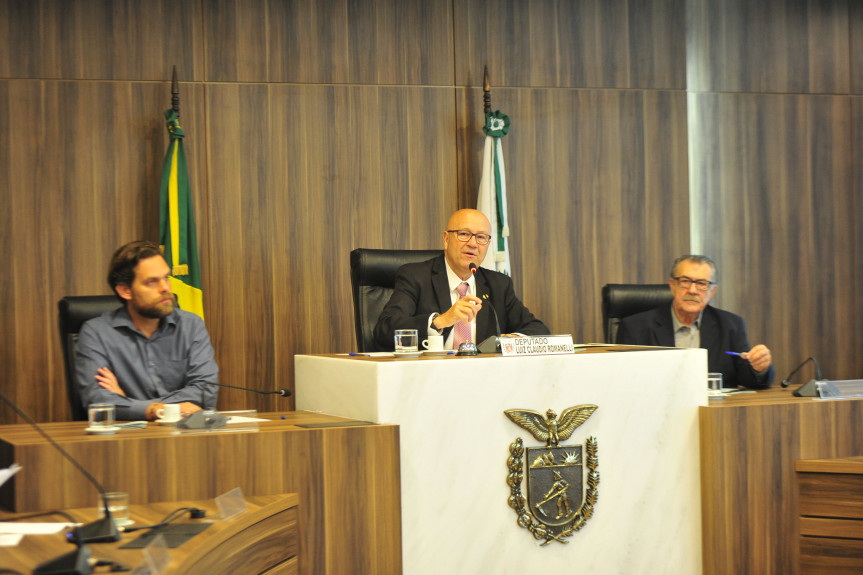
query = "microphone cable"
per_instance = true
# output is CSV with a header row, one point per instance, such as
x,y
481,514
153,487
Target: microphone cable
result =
x,y
194,513
787,381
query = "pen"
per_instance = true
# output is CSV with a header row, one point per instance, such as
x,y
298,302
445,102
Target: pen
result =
x,y
734,353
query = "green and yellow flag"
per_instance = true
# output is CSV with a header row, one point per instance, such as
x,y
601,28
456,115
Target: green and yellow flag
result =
x,y
177,223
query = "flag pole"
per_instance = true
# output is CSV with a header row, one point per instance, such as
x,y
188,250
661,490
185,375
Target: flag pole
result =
x,y
175,92
491,198
486,93
176,214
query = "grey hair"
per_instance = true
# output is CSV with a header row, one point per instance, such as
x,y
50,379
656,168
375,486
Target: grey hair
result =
x,y
697,259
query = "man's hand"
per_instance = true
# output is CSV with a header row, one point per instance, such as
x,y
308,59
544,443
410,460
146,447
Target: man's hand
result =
x,y
759,357
186,408
106,378
464,310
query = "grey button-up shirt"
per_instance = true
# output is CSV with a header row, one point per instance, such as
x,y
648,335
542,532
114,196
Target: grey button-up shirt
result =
x,y
172,366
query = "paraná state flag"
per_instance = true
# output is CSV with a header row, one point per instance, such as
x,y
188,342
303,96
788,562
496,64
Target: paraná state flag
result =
x,y
491,199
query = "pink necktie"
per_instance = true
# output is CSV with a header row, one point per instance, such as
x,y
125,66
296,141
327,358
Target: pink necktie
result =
x,y
461,330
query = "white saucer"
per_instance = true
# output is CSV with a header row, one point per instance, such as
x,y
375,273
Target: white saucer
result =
x,y
101,430
407,354
437,352
168,421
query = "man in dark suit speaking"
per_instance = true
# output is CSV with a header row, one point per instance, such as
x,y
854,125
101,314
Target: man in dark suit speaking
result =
x,y
692,323
442,296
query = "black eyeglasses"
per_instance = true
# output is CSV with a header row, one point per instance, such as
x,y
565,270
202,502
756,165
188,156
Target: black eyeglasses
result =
x,y
464,236
700,285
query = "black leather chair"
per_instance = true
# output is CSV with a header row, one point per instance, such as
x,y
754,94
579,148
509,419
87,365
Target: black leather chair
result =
x,y
373,275
622,300
74,311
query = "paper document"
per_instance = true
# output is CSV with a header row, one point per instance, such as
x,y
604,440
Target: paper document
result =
x,y
5,474
10,540
11,532
244,419
22,528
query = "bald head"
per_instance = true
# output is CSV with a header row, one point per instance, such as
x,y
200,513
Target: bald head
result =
x,y
465,217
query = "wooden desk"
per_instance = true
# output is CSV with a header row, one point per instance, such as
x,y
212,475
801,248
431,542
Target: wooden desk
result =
x,y
263,539
749,445
347,478
831,515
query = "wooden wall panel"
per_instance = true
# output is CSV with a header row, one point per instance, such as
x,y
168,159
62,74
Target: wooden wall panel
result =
x,y
853,262
348,167
855,28
774,205
100,40
793,46
330,41
596,190
83,162
315,128
565,44
8,361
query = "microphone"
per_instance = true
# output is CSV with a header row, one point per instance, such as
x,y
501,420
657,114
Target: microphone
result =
x,y
101,530
787,381
201,420
491,344
811,387
281,392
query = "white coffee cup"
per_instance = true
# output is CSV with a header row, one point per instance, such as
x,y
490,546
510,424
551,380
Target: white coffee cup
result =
x,y
433,343
169,412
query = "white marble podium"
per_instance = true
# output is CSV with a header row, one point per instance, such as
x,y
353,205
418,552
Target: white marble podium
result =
x,y
455,442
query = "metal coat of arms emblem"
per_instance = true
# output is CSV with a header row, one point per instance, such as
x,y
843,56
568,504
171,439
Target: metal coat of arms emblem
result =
x,y
562,480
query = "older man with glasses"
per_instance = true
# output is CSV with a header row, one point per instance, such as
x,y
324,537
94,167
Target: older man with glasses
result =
x,y
443,296
692,323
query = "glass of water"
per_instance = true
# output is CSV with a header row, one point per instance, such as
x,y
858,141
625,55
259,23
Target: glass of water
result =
x,y
406,341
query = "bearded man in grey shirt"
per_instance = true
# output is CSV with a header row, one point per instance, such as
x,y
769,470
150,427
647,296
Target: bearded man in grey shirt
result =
x,y
148,352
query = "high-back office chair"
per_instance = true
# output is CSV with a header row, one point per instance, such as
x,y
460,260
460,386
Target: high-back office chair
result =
x,y
373,275
622,300
74,311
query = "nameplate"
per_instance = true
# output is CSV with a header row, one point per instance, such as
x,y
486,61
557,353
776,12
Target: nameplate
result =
x,y
536,345
837,388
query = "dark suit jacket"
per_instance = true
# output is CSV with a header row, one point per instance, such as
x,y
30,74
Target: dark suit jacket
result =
x,y
423,288
721,331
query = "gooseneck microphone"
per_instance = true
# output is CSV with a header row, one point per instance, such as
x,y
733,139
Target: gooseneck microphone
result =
x,y
101,530
280,392
207,420
490,344
473,268
787,381
811,388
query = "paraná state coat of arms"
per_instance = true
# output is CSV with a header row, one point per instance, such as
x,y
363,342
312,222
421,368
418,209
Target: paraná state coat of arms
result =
x,y
562,480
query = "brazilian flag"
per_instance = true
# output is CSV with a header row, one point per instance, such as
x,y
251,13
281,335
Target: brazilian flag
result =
x,y
177,223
